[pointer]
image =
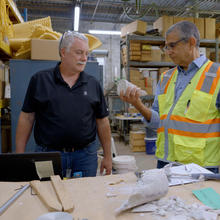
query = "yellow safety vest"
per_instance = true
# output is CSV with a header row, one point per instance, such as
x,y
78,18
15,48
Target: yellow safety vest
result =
x,y
189,130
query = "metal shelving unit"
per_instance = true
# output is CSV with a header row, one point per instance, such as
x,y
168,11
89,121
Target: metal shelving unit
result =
x,y
157,41
152,40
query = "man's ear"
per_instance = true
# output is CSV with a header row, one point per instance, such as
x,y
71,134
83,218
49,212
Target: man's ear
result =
x,y
192,41
62,52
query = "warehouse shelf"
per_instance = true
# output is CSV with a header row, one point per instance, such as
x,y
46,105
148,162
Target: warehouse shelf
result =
x,y
14,13
150,64
148,39
157,40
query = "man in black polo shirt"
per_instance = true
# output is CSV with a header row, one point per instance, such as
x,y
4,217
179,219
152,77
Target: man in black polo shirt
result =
x,y
67,108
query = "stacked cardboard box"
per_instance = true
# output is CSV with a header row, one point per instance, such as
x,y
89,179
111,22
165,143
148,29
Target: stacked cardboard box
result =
x,y
162,24
200,24
135,51
206,26
136,77
136,27
124,55
210,28
146,54
136,141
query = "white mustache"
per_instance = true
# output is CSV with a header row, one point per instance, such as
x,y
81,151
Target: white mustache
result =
x,y
83,63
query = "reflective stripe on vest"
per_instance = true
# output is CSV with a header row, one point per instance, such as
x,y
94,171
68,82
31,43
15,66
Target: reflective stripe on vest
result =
x,y
209,79
187,127
167,76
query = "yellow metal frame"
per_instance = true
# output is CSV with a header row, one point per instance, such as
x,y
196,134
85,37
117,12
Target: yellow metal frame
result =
x,y
13,8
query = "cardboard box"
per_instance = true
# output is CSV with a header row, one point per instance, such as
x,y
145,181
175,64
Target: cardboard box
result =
x,y
200,24
137,135
149,85
135,74
210,28
135,57
136,27
165,58
156,55
135,52
146,55
178,19
44,49
136,141
145,47
163,23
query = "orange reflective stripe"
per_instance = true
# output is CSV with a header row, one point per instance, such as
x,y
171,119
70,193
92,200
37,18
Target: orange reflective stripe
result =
x,y
199,85
215,82
162,117
165,90
193,134
183,119
160,130
163,76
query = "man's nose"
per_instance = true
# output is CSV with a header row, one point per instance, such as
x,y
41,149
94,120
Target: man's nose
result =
x,y
168,52
84,56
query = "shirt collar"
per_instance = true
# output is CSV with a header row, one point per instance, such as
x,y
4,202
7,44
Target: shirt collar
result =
x,y
197,63
200,61
57,74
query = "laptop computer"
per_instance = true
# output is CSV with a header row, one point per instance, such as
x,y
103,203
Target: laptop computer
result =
x,y
29,166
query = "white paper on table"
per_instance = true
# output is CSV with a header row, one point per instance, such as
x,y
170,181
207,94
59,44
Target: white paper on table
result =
x,y
185,169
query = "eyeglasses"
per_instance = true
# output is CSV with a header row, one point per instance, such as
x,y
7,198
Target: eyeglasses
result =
x,y
171,45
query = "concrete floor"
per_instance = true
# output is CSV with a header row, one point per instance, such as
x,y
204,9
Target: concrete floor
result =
x,y
143,160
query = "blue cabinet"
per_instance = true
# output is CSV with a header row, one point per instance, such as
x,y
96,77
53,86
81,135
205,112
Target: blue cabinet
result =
x,y
20,74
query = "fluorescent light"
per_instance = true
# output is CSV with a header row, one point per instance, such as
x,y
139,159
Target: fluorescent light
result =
x,y
105,32
76,18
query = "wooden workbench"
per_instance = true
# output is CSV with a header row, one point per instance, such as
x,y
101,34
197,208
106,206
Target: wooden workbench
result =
x,y
90,198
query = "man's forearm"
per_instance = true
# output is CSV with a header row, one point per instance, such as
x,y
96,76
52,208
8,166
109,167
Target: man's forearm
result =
x,y
104,133
23,132
145,111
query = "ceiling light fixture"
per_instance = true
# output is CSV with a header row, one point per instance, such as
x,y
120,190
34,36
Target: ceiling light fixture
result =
x,y
76,17
105,32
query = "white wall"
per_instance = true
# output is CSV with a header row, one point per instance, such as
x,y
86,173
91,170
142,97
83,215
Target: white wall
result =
x,y
110,43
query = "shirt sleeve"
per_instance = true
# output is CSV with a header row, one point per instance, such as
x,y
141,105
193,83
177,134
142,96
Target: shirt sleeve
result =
x,y
29,104
102,109
218,101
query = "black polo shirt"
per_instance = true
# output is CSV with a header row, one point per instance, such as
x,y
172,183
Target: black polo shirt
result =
x,y
65,117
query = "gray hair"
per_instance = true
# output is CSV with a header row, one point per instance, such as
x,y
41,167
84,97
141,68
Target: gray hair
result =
x,y
68,38
186,30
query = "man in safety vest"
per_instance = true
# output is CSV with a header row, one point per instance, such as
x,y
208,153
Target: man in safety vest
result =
x,y
186,110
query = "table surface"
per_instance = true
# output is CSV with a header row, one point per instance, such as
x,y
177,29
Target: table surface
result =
x,y
90,198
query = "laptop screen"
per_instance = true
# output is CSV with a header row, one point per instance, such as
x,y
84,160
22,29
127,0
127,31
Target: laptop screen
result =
x,y
29,166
